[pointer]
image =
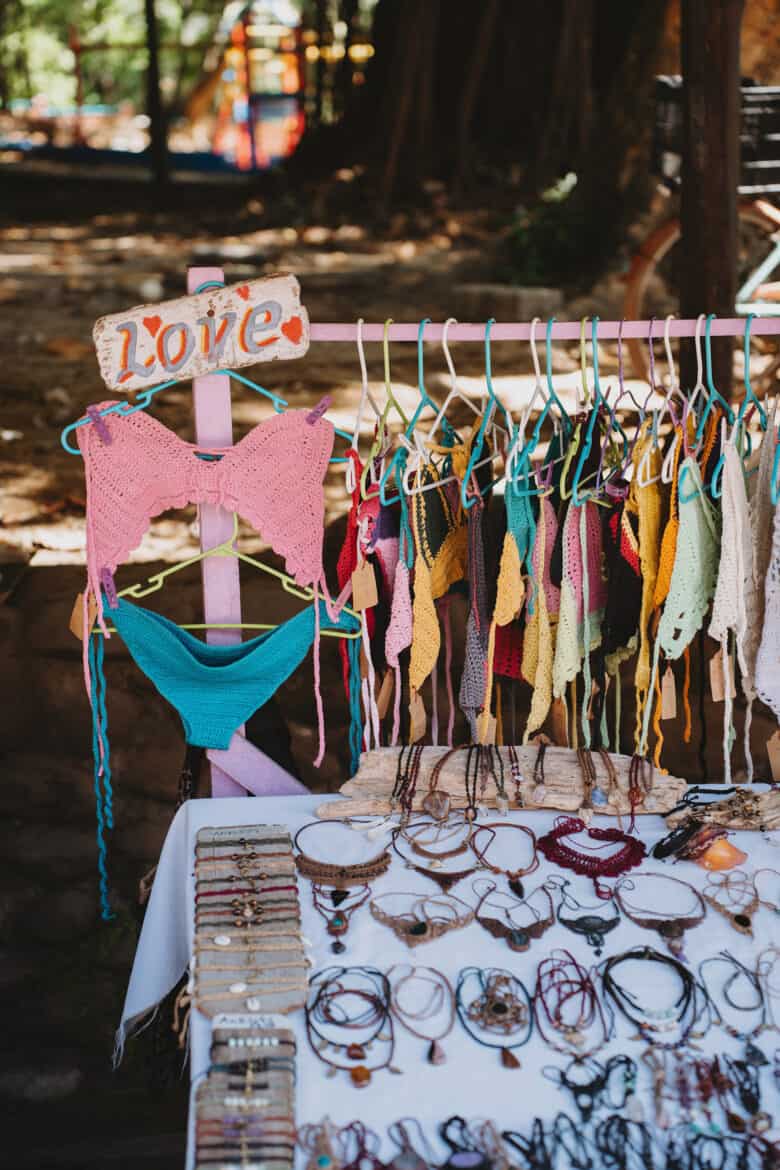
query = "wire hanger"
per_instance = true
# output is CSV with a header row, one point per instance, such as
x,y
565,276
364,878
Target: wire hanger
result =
x,y
519,457
488,416
714,394
227,548
398,460
454,392
144,399
391,403
738,431
365,397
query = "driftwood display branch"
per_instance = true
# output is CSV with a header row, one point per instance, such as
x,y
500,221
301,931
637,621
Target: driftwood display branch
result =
x,y
744,809
370,788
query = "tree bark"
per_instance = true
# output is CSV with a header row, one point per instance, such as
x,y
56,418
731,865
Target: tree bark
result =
x,y
477,66
710,39
157,130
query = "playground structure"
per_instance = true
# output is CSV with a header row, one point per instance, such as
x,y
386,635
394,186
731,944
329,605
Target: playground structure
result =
x,y
263,77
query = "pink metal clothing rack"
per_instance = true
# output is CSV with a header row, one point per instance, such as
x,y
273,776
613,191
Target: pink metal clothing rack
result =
x,y
561,330
242,769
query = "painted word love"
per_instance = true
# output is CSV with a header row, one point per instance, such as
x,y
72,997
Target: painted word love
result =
x,y
220,328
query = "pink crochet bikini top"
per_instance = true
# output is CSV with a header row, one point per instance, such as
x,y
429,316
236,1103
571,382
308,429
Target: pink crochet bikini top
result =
x,y
136,468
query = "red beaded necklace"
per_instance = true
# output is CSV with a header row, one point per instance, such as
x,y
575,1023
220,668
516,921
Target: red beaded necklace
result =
x,y
553,847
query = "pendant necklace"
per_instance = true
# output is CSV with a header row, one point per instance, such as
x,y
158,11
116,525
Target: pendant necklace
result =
x,y
339,913
484,837
499,1006
737,972
444,878
502,923
437,803
439,1001
670,926
742,902
590,925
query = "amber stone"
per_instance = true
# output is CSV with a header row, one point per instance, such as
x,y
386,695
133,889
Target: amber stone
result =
x,y
360,1076
356,1052
508,1058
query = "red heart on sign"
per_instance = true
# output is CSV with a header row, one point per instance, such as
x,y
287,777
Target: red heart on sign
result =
x,y
243,292
152,324
293,329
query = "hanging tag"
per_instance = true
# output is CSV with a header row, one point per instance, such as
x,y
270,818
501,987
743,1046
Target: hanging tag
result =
x,y
717,681
668,695
418,720
560,724
594,690
487,728
773,751
385,694
76,624
364,592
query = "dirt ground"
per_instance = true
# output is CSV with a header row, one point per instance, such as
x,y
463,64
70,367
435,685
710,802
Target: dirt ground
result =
x,y
70,252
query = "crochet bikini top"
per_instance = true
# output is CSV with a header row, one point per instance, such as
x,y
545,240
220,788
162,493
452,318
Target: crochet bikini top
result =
x,y
136,468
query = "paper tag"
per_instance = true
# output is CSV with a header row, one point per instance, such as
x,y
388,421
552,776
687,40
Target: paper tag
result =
x,y
418,720
668,695
559,722
385,694
773,751
76,624
717,682
487,728
364,593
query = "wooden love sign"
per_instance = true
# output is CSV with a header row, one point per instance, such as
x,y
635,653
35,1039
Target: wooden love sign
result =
x,y
221,328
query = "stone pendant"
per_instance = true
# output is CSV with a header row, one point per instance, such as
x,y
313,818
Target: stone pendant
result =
x,y
508,1059
754,1055
598,798
360,1076
516,886
338,896
436,1053
502,804
338,947
437,804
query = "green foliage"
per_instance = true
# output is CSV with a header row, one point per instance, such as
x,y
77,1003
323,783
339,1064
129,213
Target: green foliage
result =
x,y
35,57
547,242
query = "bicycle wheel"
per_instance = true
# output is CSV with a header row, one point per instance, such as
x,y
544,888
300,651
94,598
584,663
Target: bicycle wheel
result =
x,y
653,282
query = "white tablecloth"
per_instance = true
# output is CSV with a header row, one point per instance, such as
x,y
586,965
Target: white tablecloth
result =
x,y
472,1081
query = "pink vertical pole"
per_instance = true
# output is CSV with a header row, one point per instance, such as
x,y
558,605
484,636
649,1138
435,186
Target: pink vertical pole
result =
x,y
221,588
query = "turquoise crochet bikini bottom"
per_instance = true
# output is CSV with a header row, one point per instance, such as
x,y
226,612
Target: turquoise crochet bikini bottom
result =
x,y
216,688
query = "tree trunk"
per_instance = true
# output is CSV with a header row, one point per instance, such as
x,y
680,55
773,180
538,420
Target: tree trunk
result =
x,y
478,64
157,131
319,93
343,89
710,38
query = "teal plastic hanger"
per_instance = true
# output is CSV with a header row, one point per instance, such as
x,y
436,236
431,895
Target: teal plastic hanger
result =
x,y
425,400
714,394
577,498
495,404
748,403
524,457
144,399
750,395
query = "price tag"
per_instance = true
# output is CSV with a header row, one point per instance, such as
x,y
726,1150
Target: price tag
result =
x,y
560,724
668,695
385,694
76,624
417,717
717,681
364,592
487,728
773,751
